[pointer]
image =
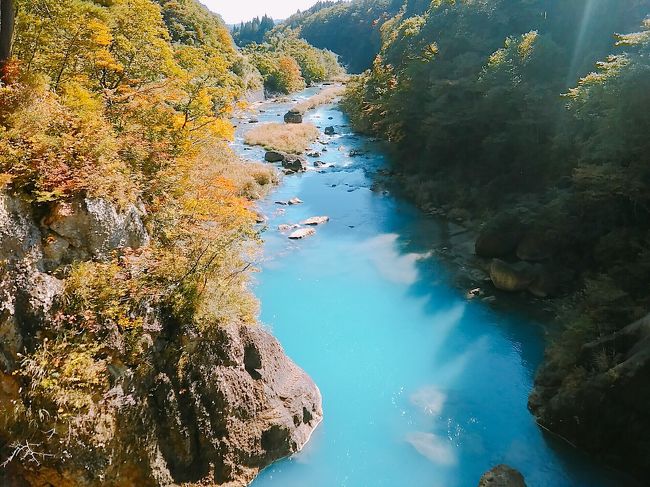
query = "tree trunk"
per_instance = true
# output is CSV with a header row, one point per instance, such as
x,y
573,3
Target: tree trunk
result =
x,y
7,19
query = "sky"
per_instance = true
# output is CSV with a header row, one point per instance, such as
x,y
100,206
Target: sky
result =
x,y
234,11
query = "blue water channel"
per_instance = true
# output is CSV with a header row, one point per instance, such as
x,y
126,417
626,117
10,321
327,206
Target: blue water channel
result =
x,y
421,386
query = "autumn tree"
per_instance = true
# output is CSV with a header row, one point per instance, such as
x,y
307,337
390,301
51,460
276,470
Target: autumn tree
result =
x,y
7,20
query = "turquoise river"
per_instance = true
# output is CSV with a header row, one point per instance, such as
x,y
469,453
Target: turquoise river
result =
x,y
421,386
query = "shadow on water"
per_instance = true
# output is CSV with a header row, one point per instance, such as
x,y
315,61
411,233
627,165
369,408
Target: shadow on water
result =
x,y
421,387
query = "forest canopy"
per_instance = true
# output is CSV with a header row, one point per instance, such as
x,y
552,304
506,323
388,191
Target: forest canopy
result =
x,y
252,31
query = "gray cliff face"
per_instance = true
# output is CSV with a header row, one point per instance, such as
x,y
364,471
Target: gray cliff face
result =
x,y
213,408
241,405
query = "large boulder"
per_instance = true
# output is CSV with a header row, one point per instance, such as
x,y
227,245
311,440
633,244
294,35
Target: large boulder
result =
x,y
274,156
512,277
330,130
315,220
295,163
500,237
550,280
302,233
242,405
537,245
599,400
502,476
293,116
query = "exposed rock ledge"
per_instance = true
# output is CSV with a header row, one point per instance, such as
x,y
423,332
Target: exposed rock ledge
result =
x,y
213,409
611,375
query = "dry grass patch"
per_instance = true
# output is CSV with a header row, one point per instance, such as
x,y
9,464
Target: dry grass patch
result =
x,y
326,96
251,180
291,138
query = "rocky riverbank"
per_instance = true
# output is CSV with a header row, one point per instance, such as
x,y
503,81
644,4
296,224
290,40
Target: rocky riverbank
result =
x,y
216,405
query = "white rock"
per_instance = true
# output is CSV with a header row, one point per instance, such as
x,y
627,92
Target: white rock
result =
x,y
315,220
287,227
302,233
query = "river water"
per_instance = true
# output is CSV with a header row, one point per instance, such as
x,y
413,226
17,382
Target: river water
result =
x,y
421,386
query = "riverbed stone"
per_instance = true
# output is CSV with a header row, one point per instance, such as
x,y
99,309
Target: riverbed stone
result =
x,y
512,277
293,116
294,163
302,233
502,476
287,227
330,130
274,156
315,220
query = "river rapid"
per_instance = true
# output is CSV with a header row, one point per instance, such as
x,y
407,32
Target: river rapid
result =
x,y
422,387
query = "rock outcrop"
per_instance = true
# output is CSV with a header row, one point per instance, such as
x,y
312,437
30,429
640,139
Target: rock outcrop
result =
x,y
294,163
213,406
502,476
302,233
611,374
293,116
274,156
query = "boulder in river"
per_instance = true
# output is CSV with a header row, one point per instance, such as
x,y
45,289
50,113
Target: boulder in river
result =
x,y
550,280
315,220
313,154
499,237
286,227
512,277
330,130
502,476
274,156
292,201
536,246
294,163
302,233
293,116
319,164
